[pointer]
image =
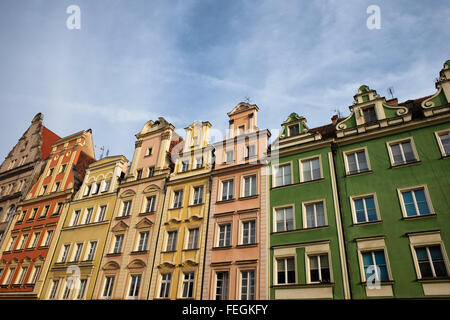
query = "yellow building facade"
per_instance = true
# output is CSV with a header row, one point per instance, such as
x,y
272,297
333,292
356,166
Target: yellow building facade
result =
x,y
179,260
77,257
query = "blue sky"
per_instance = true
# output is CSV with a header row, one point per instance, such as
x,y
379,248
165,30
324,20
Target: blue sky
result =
x,y
190,60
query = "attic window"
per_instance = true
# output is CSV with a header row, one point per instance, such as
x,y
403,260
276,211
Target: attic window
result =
x,y
369,115
294,130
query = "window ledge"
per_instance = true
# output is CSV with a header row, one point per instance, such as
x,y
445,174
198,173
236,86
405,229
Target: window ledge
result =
x,y
113,254
222,248
122,217
348,174
169,251
249,245
311,181
393,166
225,201
366,223
139,252
303,285
249,197
193,249
429,215
434,280
175,208
196,204
382,283
146,213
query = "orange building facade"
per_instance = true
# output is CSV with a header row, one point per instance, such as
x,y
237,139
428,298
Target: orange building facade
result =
x,y
24,262
236,249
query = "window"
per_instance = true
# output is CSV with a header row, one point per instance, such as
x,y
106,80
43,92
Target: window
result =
x,y
58,208
249,232
88,218
150,207
172,240
22,216
44,190
356,162
33,214
184,166
78,252
10,275
68,289
222,279
92,248
444,142
177,199
151,171
402,152
1,236
195,141
431,262
165,285
95,188
415,202
56,187
285,270
48,238
310,169
149,152
319,269
107,289
22,275
82,290
11,243
294,130
87,190
35,239
50,172
63,168
126,208
369,115
106,185
193,239
45,211
1,209
35,275
76,217
364,209
101,215
118,243
241,129
10,213
135,284
284,219
227,190
54,289
248,285
24,240
65,252
224,235
188,285
143,240
198,195
283,175
375,264
230,156
199,162
251,151
139,174
315,215
250,188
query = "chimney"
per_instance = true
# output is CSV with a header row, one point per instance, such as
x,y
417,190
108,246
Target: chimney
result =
x,y
334,119
393,101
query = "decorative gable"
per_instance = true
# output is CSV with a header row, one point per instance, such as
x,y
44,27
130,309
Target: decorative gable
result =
x,y
136,264
151,188
369,112
112,265
119,227
439,102
294,125
144,223
127,193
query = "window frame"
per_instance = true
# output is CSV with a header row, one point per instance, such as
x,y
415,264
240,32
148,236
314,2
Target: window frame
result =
x,y
400,141
427,198
439,141
221,187
250,175
356,151
300,166
353,208
304,215
369,245
274,214
276,167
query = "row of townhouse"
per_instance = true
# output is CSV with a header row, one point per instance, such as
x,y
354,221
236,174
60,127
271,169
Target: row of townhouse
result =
x,y
355,209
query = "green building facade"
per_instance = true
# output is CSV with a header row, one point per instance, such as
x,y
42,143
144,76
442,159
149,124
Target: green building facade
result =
x,y
361,207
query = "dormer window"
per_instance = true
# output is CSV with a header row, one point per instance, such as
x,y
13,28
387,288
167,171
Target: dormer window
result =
x,y
184,166
294,130
149,152
369,115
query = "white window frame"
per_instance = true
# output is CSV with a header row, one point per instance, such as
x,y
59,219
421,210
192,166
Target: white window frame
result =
x,y
195,244
221,186
438,138
306,203
200,196
227,286
167,283
274,215
126,208
241,271
244,221
150,207
369,245
177,202
300,165
136,296
399,141
363,196
142,243
276,167
108,286
223,224
93,244
173,243
101,213
190,282
115,242
427,197
349,152
35,274
285,256
243,177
